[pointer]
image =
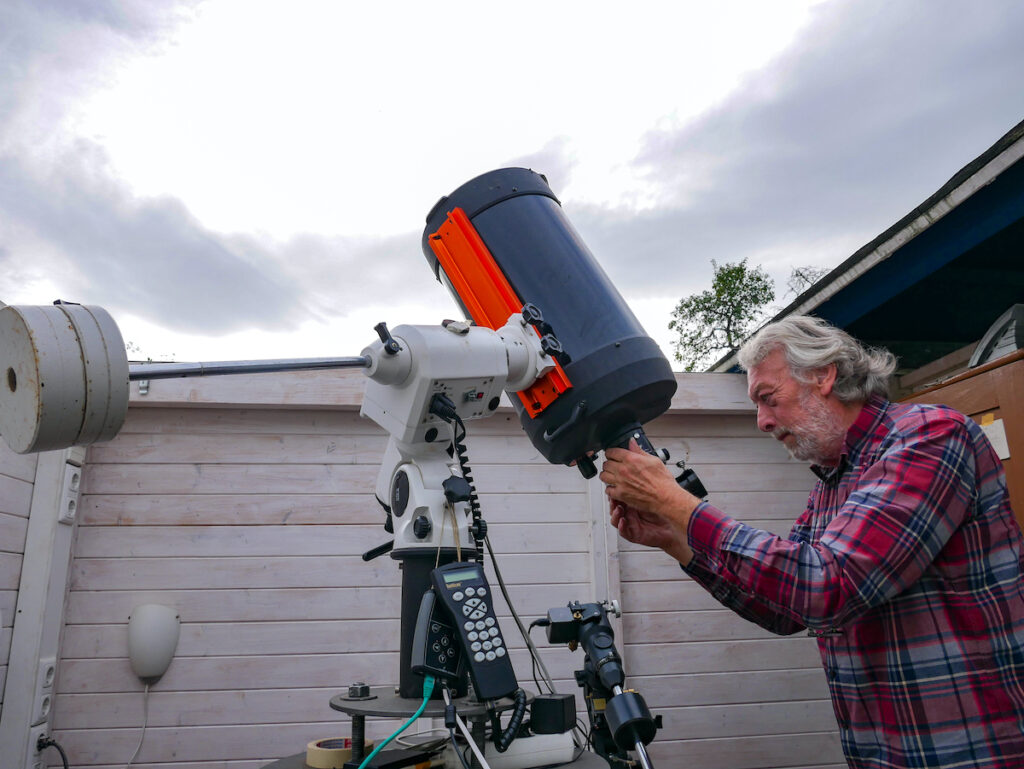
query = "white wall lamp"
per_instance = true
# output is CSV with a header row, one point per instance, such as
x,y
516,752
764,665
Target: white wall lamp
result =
x,y
153,632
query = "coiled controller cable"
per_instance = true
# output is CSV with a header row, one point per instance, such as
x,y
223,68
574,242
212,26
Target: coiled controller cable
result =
x,y
441,406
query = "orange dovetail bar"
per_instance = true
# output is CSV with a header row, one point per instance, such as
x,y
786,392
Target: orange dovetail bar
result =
x,y
486,293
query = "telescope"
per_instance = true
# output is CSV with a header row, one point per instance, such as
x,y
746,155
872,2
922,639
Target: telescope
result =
x,y
540,322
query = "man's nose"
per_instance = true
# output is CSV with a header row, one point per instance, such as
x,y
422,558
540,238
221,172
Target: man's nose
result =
x,y
765,420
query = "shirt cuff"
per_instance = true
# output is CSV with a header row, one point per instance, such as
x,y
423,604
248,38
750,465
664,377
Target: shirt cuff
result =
x,y
707,531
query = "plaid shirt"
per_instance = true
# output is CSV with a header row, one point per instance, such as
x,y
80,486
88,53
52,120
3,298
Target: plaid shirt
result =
x,y
907,566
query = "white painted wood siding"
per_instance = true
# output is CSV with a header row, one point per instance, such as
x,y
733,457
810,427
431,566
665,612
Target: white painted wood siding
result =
x,y
251,525
732,695
17,474
250,517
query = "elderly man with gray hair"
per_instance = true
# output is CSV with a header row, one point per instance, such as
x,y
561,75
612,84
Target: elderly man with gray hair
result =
x,y
906,563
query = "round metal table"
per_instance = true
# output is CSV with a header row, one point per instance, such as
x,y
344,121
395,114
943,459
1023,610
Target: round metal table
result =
x,y
383,701
586,761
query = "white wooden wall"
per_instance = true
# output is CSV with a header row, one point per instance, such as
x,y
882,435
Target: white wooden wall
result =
x,y
733,696
246,507
17,474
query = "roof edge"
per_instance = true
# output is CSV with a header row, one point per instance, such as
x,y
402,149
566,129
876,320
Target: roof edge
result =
x,y
962,185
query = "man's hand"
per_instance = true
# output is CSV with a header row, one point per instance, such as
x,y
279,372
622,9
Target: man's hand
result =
x,y
651,530
648,506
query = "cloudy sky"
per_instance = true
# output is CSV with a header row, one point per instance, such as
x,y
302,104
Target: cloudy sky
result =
x,y
243,179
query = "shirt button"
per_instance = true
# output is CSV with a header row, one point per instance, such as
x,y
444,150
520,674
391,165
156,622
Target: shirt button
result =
x,y
832,674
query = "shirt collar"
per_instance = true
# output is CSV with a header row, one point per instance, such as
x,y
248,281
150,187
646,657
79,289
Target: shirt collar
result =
x,y
863,427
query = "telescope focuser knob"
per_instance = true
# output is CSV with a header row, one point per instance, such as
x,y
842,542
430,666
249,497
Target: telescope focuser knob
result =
x,y
479,529
391,347
586,466
689,481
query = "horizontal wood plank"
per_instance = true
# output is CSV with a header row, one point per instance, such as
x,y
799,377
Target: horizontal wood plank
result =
x,y
183,709
187,572
784,751
712,721
8,599
303,479
750,687
15,496
340,388
677,595
229,541
287,671
296,510
13,529
91,747
684,626
695,393
485,448
724,656
10,570
371,601
19,466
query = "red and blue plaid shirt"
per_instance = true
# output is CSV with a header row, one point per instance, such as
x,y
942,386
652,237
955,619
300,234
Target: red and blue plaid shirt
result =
x,y
907,565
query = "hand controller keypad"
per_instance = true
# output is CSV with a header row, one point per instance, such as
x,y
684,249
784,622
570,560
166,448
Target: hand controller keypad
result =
x,y
464,591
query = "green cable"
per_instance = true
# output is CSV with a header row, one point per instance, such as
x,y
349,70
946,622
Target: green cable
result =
x,y
428,689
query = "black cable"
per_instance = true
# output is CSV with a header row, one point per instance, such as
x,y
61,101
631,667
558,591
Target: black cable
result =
x,y
503,739
455,749
535,655
543,622
45,742
462,454
442,406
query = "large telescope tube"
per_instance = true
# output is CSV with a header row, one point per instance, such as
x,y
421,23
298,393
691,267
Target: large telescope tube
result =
x,y
617,376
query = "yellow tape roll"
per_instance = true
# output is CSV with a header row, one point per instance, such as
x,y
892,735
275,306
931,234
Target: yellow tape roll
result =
x,y
331,753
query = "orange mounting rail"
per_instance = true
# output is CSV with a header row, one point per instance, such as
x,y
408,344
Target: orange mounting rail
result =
x,y
487,294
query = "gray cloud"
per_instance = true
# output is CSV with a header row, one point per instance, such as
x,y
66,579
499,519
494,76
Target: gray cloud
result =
x,y
554,159
872,109
148,256
64,213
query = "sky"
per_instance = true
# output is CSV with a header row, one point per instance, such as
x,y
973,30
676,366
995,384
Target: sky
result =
x,y
240,179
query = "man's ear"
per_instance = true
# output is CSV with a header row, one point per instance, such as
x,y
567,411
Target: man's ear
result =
x,y
825,378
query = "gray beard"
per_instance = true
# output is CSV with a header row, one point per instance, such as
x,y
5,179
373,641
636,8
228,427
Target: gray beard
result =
x,y
820,437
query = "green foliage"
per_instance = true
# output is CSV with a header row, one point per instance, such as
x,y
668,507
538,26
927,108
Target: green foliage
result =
x,y
715,321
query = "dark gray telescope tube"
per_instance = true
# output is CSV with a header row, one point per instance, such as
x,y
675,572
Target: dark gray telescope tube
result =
x,y
620,378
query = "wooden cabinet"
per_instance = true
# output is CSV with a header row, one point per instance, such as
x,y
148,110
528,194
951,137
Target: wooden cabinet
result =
x,y
993,395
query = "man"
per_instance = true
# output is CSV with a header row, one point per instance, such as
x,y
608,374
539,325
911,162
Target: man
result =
x,y
906,563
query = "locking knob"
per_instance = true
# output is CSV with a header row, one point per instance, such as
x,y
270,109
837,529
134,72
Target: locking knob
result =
x,y
391,347
421,527
456,489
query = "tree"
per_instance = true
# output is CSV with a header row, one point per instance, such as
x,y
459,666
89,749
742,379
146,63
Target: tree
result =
x,y
719,319
802,278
